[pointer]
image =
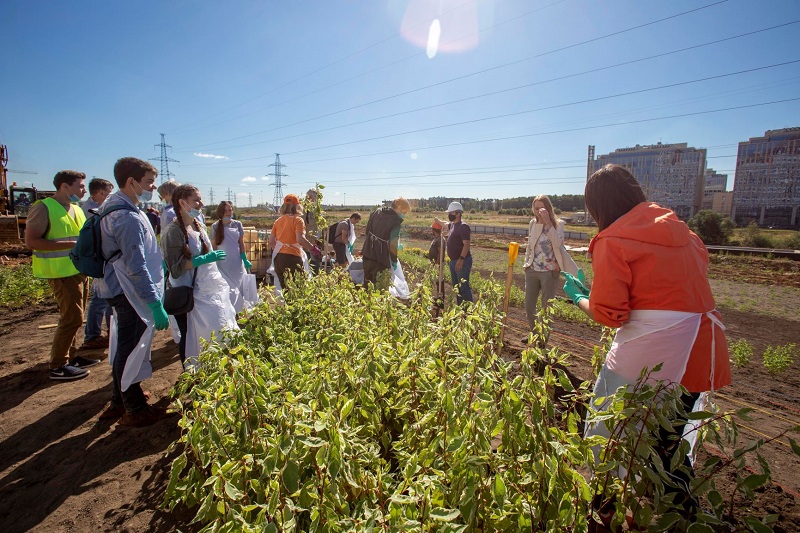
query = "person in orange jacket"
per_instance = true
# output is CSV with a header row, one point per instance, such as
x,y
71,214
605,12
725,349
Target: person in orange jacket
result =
x,y
650,281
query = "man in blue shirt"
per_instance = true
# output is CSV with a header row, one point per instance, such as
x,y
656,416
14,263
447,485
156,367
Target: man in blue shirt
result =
x,y
133,285
99,189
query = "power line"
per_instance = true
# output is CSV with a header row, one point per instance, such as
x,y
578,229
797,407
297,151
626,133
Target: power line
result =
x,y
545,108
465,76
369,71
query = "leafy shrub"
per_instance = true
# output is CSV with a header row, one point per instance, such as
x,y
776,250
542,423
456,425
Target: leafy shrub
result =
x,y
792,242
393,422
711,227
18,287
779,358
741,352
754,237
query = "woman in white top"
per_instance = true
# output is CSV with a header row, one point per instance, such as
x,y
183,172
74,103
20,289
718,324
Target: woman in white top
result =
x,y
228,235
191,261
545,257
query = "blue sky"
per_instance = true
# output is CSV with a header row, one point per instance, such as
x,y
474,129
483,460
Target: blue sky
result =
x,y
359,96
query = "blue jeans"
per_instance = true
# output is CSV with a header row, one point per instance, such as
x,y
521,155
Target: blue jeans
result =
x,y
98,311
130,329
464,290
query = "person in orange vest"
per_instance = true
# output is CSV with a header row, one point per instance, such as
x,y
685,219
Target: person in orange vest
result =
x,y
51,231
650,281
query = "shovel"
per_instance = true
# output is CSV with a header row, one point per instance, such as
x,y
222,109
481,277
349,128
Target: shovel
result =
x,y
513,250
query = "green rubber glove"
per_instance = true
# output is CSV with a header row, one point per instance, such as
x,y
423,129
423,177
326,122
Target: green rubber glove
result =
x,y
210,257
399,246
160,316
247,264
574,287
394,265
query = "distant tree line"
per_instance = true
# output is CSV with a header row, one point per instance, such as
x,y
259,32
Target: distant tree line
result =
x,y
561,202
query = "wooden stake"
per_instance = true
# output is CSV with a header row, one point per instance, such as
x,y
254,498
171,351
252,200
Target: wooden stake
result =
x,y
513,250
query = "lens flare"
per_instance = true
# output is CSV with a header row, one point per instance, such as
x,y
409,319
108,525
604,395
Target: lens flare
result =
x,y
434,33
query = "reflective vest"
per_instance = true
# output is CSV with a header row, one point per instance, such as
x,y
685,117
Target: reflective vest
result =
x,y
62,227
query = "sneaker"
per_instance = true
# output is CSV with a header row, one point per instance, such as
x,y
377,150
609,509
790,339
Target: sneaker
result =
x,y
67,373
143,417
98,343
83,362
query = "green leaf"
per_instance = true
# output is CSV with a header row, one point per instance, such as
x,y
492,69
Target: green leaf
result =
x,y
755,481
232,492
291,477
444,515
755,525
499,490
699,528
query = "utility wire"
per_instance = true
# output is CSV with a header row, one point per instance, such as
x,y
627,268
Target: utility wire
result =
x,y
364,73
516,113
465,76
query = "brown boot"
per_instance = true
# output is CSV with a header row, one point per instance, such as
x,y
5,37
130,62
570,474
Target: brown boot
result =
x,y
143,417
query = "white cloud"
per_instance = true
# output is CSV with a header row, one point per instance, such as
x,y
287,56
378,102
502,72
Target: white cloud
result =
x,y
248,180
209,156
414,155
265,178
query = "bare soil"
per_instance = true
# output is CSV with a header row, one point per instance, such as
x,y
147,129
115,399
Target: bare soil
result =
x,y
62,469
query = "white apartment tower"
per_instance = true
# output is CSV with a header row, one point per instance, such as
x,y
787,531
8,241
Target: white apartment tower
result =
x,y
767,184
672,175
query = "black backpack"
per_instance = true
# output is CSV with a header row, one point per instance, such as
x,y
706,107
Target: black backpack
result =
x,y
87,254
332,232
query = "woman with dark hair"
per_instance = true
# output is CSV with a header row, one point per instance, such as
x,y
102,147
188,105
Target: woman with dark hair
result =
x,y
288,240
192,262
650,281
228,235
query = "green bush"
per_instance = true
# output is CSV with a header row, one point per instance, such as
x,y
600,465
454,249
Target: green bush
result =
x,y
18,287
792,242
779,358
741,352
391,421
711,227
754,237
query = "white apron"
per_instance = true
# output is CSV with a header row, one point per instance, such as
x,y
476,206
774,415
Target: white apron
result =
x,y
232,268
271,269
641,343
399,288
138,367
212,312
351,239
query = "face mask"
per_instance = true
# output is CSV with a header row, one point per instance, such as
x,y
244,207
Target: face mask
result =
x,y
144,196
226,219
74,198
451,217
194,213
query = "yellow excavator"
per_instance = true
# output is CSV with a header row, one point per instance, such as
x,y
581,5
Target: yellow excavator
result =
x,y
15,202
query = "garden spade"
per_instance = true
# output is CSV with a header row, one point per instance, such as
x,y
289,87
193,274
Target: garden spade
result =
x,y
513,250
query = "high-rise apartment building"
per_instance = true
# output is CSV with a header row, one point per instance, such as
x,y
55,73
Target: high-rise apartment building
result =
x,y
671,175
714,182
767,184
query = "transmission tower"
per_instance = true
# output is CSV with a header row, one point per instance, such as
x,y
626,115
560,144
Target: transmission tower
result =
x,y
211,196
165,160
278,175
250,198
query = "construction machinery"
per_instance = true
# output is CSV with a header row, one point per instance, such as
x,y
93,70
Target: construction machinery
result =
x,y
15,201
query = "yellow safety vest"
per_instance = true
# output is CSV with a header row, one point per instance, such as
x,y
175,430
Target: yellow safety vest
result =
x,y
56,263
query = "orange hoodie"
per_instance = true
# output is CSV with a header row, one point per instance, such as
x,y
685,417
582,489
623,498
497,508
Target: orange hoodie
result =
x,y
648,259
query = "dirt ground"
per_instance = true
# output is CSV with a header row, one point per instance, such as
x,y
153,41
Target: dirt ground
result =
x,y
64,470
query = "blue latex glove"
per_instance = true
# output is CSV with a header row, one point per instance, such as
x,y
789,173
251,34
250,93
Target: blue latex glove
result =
x,y
160,316
394,265
247,264
210,257
399,246
575,288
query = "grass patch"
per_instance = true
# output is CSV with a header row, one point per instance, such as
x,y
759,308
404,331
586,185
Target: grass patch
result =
x,y
18,287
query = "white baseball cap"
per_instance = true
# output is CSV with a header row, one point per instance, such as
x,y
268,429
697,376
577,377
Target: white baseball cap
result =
x,y
454,206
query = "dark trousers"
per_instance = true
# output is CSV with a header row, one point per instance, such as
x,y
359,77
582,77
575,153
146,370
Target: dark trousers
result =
x,y
183,322
130,329
371,270
341,253
668,442
286,265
